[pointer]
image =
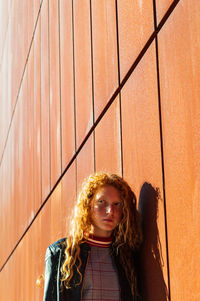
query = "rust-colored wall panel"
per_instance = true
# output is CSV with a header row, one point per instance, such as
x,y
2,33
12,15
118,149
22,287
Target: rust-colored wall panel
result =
x,y
22,26
28,260
7,205
68,198
22,208
161,8
17,23
135,25
30,12
37,119
108,141
16,50
104,52
20,45
29,142
4,17
19,192
180,73
36,10
3,96
6,198
3,124
6,159
142,167
56,216
67,82
2,214
45,129
15,135
4,278
46,227
5,93
141,102
85,162
11,196
39,250
83,69
54,59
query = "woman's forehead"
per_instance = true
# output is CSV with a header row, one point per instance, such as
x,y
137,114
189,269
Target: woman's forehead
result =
x,y
107,191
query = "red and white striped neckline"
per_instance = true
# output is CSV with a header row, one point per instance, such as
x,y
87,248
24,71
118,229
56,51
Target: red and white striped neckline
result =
x,y
96,241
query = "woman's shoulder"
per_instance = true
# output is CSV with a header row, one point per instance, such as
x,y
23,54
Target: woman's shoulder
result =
x,y
55,247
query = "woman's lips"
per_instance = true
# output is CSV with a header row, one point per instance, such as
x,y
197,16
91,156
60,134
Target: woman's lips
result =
x,y
108,220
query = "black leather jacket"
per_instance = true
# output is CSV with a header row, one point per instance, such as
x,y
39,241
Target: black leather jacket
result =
x,y
53,260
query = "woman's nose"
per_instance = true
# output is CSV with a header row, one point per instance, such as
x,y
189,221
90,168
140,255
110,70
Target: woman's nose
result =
x,y
109,209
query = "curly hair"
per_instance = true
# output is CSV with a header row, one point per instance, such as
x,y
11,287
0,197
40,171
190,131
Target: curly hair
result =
x,y
127,235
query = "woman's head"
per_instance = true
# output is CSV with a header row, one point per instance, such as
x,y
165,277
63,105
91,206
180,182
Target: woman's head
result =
x,y
106,202
106,211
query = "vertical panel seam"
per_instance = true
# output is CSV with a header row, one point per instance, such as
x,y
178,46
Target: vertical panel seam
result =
x,y
60,85
41,182
92,71
26,142
161,144
74,80
119,80
34,142
49,100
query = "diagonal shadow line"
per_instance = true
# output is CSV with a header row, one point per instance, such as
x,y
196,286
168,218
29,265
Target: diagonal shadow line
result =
x,y
109,103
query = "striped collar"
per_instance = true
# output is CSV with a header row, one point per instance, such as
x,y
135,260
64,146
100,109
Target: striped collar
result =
x,y
96,241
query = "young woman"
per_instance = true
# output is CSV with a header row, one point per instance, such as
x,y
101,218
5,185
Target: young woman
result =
x,y
98,259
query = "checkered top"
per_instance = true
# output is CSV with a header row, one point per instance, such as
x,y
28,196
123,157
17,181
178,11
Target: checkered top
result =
x,y
101,280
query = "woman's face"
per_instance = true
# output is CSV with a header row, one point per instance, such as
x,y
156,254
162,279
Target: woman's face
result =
x,y
106,211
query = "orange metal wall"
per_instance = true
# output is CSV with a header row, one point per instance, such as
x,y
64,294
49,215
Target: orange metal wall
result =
x,y
91,85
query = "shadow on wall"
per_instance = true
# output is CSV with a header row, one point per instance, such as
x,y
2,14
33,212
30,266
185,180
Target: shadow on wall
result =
x,y
152,281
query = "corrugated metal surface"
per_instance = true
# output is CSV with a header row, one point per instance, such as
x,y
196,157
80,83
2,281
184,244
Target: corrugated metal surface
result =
x,y
104,42
60,63
55,110
67,82
45,101
142,167
180,73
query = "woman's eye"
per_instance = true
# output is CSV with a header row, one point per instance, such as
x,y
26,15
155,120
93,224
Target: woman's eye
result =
x,y
100,201
117,204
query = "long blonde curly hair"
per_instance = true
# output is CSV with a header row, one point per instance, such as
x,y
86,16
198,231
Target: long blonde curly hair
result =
x,y
127,236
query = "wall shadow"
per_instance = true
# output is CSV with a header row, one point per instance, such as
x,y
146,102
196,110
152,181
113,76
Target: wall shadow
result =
x,y
152,282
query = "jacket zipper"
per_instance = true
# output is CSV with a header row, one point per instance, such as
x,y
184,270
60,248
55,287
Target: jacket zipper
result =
x,y
84,275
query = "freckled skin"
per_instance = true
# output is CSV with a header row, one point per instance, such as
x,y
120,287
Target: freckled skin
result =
x,y
106,211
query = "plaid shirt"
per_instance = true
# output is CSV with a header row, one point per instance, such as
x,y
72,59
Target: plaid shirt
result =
x,y
101,279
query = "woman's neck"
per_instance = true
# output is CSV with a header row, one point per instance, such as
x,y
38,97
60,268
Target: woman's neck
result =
x,y
99,232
